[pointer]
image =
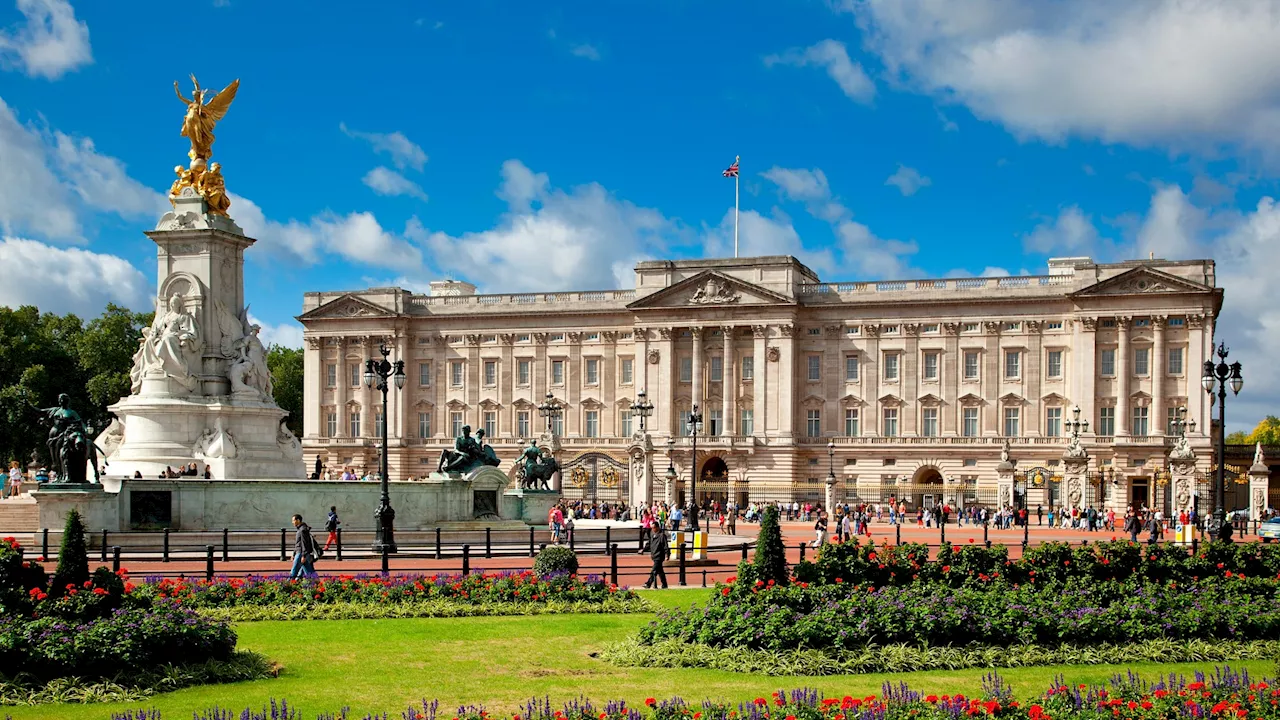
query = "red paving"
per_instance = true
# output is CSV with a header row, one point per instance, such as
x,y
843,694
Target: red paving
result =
x,y
633,568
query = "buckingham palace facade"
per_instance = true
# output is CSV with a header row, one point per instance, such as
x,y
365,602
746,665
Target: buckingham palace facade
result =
x,y
906,388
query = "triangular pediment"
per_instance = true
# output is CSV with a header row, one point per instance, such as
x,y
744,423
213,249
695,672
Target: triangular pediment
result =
x,y
1012,398
347,306
970,399
710,289
1053,398
851,400
811,400
890,400
1142,281
929,399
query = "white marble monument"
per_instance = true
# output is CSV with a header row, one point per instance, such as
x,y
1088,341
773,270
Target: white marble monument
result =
x,y
201,390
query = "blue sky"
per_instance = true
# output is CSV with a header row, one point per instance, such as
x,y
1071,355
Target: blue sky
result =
x,y
400,142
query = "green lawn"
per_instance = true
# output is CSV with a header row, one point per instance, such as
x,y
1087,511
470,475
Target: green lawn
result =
x,y
377,665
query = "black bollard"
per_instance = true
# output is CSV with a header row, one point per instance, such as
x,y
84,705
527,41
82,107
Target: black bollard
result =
x,y
613,564
531,541
942,531
897,530
386,561
488,543
339,545
984,535
166,545
571,541
704,578
44,543
802,548
226,549
437,543
608,538
115,558
104,544
744,551
682,565
283,554
208,563
466,559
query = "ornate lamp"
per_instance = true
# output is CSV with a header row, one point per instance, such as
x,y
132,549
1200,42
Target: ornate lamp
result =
x,y
1217,377
376,374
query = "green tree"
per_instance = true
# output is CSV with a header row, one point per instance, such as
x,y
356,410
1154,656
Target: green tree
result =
x,y
771,555
286,379
105,350
73,556
1267,432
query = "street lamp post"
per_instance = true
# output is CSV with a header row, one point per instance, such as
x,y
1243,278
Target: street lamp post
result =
x,y
550,410
671,467
831,478
1216,377
695,420
1075,425
376,375
642,408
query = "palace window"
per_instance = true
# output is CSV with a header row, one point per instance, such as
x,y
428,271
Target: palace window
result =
x,y
1177,322
815,367
378,423
1140,421
455,373
331,423
424,373
851,368
970,364
557,372
686,370
969,422
1055,364
331,375
627,370
1013,326
522,338
931,328
890,417
490,373
424,424
523,371
815,331
353,428
522,423
1107,362
1108,323
1012,364
931,366
557,425
970,327
593,371
1141,361
593,336
929,422
353,371
748,368
1171,416
717,369
593,423
455,424
747,421
626,423
1107,421
490,425
1142,322
813,423
851,422
556,337
891,366
1011,417
715,425
1053,422
1175,361
889,330
853,330
1053,325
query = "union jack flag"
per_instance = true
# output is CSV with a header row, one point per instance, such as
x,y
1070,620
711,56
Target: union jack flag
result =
x,y
732,170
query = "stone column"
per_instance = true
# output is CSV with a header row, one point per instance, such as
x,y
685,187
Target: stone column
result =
x,y
507,388
728,384
539,380
641,478
1193,365
574,372
759,365
829,497
664,399
608,378
1084,367
950,380
1259,485
1004,484
786,381
366,393
1118,493
697,395
991,379
402,394
909,381
313,391
1075,480
1032,383
340,388
1159,423
871,382
1124,421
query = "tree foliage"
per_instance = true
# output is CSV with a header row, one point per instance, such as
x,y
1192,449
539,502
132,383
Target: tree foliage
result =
x,y
44,354
771,554
1266,432
73,556
286,378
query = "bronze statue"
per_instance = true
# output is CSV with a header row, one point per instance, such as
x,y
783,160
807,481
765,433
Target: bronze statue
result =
x,y
70,442
202,115
467,454
537,468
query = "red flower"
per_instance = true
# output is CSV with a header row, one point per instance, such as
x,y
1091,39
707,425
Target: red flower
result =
x,y
761,701
650,702
946,568
931,698
970,540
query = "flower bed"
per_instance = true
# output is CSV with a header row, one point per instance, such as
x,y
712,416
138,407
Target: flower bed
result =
x,y
932,613
1224,695
351,596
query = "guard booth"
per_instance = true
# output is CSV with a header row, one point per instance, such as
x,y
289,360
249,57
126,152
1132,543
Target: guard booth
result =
x,y
697,549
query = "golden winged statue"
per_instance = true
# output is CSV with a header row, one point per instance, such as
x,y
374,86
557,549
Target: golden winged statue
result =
x,y
202,115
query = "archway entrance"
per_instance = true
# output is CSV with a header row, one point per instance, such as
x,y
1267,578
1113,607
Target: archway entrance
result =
x,y
713,480
924,491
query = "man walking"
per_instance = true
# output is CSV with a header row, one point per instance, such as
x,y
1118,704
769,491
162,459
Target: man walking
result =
x,y
658,550
331,525
304,551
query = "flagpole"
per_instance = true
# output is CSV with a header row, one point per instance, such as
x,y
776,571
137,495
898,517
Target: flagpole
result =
x,y
735,209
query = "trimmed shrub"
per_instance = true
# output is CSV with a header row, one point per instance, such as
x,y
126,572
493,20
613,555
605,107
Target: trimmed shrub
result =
x,y
20,580
555,559
771,554
73,557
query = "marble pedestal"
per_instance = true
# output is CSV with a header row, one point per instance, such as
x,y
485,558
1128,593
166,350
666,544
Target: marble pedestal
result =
x,y
533,506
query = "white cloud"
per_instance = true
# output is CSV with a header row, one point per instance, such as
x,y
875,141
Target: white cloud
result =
x,y
859,247
1180,74
286,334
51,43
386,181
1072,232
403,151
65,280
585,50
834,58
552,239
356,236
101,181
908,180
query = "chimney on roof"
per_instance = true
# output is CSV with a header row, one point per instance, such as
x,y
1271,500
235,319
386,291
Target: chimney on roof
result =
x,y
454,288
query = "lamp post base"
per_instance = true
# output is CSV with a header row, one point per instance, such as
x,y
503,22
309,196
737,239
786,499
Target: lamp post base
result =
x,y
385,539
